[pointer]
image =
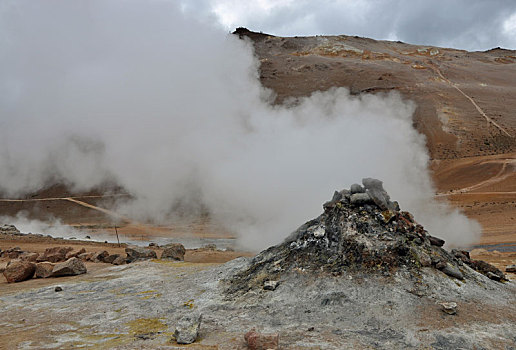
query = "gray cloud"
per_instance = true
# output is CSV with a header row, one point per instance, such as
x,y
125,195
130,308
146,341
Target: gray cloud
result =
x,y
466,24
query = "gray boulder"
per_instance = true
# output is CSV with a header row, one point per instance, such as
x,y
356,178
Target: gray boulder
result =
x,y
71,267
174,251
187,329
379,196
356,188
138,253
360,199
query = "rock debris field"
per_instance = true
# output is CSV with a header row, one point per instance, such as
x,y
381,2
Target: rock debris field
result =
x,y
362,275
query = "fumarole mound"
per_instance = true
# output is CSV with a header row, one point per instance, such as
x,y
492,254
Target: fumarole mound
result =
x,y
361,231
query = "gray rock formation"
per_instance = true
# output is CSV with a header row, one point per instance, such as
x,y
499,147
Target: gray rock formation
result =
x,y
138,253
187,328
173,251
71,267
379,196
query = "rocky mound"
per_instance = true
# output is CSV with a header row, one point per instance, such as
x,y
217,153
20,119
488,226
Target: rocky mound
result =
x,y
360,231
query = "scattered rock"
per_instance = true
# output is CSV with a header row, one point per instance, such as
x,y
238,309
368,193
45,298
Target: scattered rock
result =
x,y
6,228
120,260
436,241
260,341
449,307
71,267
18,271
73,254
450,270
110,258
55,254
138,253
270,285
361,199
99,256
58,289
87,237
187,329
13,253
44,269
29,256
493,276
174,251
85,256
152,244
510,268
210,246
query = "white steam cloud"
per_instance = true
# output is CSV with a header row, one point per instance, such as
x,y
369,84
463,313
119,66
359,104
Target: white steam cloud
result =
x,y
172,110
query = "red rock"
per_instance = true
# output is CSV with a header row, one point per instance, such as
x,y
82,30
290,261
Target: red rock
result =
x,y
18,271
73,254
13,253
85,256
26,256
71,267
55,254
44,269
259,341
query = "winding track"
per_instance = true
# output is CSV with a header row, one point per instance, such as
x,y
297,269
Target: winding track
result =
x,y
482,113
500,176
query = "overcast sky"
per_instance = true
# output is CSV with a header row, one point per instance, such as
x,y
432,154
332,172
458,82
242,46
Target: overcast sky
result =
x,y
465,24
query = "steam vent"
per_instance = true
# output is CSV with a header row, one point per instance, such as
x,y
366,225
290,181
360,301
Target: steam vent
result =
x,y
361,232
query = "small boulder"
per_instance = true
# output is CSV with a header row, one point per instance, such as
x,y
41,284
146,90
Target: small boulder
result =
x,y
174,251
55,254
85,256
210,246
510,268
73,254
486,268
44,269
360,199
26,256
449,308
270,285
13,253
99,256
435,241
259,341
379,196
110,258
58,289
139,253
18,271
356,188
71,267
187,329
450,270
119,260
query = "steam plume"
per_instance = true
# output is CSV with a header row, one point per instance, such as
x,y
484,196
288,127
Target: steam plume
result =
x,y
170,108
